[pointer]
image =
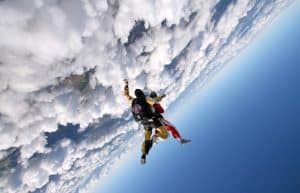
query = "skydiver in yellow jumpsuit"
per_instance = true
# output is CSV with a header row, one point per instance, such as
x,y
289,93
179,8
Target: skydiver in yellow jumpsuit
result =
x,y
143,112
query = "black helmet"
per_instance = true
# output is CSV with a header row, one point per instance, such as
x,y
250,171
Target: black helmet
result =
x,y
139,93
153,94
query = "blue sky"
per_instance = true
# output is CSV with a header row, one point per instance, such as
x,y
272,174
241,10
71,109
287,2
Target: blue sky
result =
x,y
243,124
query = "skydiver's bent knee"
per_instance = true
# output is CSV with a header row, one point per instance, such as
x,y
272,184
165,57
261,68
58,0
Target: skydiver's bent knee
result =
x,y
161,132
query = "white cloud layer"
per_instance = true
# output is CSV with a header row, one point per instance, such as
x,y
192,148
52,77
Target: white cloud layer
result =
x,y
64,61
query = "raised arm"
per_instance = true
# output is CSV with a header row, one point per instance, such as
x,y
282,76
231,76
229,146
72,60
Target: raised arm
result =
x,y
154,99
126,91
159,98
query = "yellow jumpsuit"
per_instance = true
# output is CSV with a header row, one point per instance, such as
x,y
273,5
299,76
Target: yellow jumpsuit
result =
x,y
160,131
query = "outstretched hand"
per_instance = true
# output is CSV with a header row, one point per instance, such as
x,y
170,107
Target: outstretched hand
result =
x,y
125,81
163,95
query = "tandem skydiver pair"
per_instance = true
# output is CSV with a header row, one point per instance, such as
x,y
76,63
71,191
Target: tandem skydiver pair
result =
x,y
147,111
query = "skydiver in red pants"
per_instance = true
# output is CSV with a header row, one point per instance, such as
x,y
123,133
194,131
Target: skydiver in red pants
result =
x,y
171,128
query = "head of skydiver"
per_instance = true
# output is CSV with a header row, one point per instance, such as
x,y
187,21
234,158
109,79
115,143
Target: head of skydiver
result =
x,y
139,93
158,108
153,94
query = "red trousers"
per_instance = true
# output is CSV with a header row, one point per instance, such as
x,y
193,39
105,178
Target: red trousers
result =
x,y
171,128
